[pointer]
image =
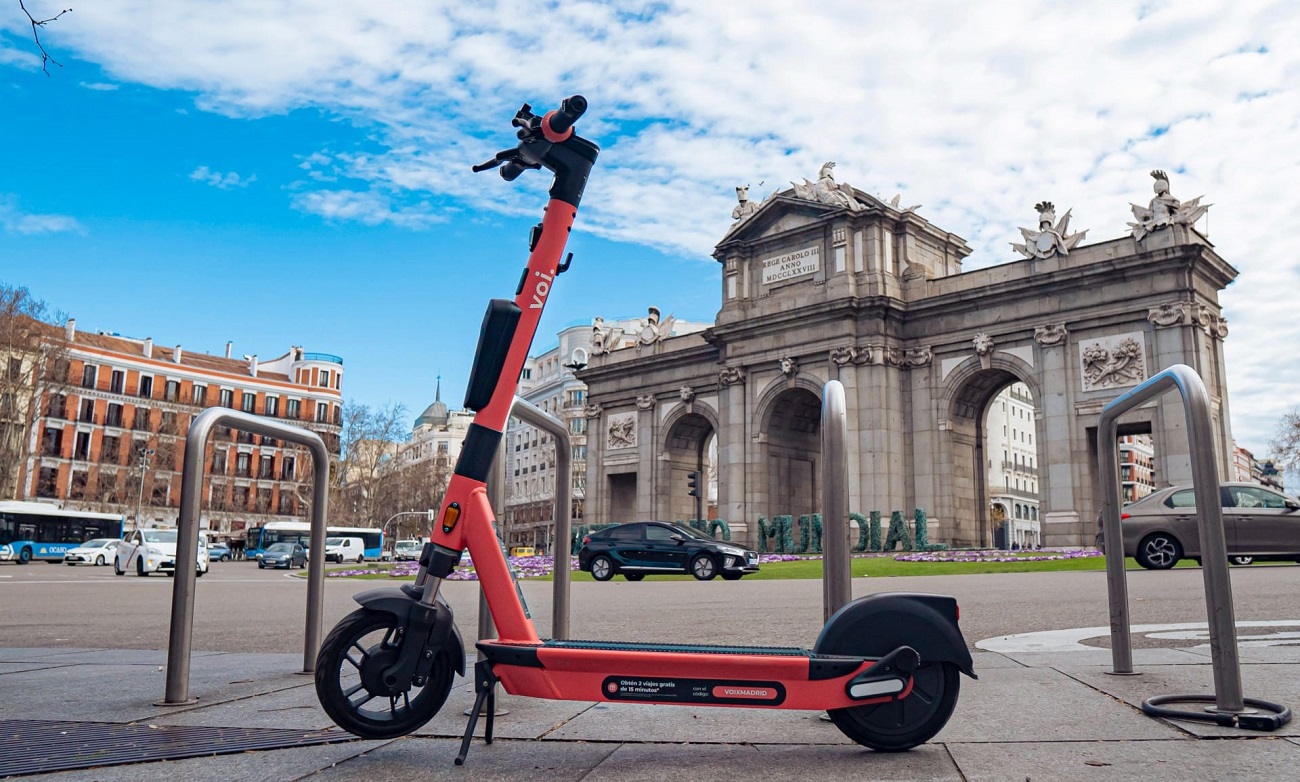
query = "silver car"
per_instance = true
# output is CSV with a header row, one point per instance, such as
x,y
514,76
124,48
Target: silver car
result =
x,y
1258,524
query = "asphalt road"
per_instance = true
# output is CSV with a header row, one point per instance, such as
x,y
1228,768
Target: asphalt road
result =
x,y
240,608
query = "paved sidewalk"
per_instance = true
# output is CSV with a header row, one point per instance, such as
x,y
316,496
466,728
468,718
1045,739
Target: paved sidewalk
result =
x,y
1036,716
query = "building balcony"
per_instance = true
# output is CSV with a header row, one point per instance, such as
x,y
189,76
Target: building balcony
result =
x,y
329,357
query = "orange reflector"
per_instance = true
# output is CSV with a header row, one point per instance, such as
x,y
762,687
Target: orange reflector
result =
x,y
450,517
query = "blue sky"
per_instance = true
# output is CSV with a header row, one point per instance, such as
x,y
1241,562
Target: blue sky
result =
x,y
299,174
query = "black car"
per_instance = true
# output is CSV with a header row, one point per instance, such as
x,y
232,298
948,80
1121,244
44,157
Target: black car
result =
x,y
287,555
641,548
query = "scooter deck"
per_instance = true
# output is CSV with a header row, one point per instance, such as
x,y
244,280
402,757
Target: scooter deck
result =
x,y
682,674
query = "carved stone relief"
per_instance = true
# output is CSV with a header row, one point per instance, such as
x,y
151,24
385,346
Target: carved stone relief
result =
x,y
1164,210
1051,334
688,394
789,366
1172,313
1112,362
984,349
645,401
622,431
731,376
1052,237
591,410
843,355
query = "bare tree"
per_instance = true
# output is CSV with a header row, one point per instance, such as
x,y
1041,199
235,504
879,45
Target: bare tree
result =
x,y
369,440
33,374
37,24
1286,446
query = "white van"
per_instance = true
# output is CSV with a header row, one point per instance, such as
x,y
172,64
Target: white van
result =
x,y
340,549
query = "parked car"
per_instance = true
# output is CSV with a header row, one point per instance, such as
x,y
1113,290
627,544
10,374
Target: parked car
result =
x,y
341,549
1258,524
218,552
285,555
407,550
643,548
523,551
153,551
99,551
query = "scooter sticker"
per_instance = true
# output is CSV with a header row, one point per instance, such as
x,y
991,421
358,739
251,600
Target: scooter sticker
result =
x,y
637,688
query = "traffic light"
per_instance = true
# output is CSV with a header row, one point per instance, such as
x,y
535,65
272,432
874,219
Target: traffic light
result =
x,y
693,484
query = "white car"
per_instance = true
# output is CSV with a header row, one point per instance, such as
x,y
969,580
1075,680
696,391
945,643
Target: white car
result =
x,y
343,549
99,551
153,551
407,550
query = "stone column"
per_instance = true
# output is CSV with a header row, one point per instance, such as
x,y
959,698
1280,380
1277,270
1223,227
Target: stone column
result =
x,y
734,455
1062,440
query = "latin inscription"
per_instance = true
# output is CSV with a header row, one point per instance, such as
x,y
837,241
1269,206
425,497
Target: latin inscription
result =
x,y
796,264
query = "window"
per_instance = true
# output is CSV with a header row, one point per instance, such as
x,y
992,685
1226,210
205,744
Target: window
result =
x,y
173,391
118,381
243,463
270,442
81,448
47,484
141,423
324,378
15,370
88,376
322,413
161,491
241,498
286,504
110,448
52,442
57,407
218,462
87,411
287,465
114,416
291,409
266,468
169,423
443,446
272,406
199,395
227,398
579,452
577,425
146,386
77,488
338,379
249,402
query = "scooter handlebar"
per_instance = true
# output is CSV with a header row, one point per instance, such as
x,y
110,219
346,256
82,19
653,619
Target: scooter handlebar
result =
x,y
557,123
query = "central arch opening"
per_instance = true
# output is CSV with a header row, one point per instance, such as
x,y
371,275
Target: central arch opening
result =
x,y
793,450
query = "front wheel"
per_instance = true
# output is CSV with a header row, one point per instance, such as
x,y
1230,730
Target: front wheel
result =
x,y
602,568
703,567
139,567
899,725
1242,560
634,576
99,560
24,556
1159,551
117,570
350,682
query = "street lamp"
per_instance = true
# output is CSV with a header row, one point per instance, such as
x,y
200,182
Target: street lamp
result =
x,y
143,463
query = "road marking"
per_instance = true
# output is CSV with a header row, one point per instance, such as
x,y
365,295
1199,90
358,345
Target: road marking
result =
x,y
1070,640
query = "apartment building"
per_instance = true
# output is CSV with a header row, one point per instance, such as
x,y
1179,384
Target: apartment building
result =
x,y
1137,472
112,436
1013,466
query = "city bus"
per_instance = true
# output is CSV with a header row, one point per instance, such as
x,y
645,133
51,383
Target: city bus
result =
x,y
300,532
37,530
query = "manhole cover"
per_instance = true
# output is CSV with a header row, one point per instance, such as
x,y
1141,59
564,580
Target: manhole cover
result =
x,y
36,746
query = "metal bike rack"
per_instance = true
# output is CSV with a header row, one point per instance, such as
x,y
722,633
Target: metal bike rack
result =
x,y
182,616
563,547
1230,706
837,573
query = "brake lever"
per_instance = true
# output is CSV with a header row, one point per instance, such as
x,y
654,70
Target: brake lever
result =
x,y
504,156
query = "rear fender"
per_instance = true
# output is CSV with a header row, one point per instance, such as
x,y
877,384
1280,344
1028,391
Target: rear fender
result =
x,y
876,625
394,601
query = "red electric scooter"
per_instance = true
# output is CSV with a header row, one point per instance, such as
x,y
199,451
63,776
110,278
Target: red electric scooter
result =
x,y
884,667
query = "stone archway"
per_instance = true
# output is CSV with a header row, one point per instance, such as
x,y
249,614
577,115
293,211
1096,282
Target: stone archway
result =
x,y
974,510
790,430
685,450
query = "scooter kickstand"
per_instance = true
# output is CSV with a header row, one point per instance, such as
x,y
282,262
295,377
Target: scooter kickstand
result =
x,y
485,685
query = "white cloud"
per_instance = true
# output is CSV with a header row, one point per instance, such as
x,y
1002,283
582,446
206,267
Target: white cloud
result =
x,y
219,180
14,220
976,110
99,86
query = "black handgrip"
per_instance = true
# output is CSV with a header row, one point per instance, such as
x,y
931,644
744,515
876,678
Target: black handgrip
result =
x,y
568,113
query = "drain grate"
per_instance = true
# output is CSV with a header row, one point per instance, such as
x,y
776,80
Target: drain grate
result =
x,y
36,746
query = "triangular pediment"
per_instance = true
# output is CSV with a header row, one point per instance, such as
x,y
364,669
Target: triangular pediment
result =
x,y
784,211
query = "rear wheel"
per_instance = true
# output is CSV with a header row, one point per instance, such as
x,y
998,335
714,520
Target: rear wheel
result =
x,y
634,576
25,556
900,725
602,568
1159,551
99,560
1242,560
703,567
350,681
117,570
732,576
